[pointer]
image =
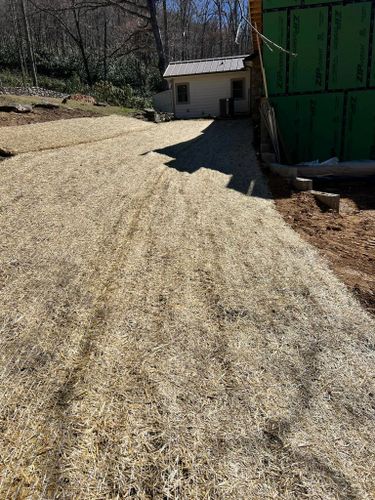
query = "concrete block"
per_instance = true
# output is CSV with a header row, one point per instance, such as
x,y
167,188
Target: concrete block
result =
x,y
302,184
284,170
331,200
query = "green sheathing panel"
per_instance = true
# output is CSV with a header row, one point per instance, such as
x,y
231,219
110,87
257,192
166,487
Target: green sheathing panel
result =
x,y
275,24
314,2
372,77
349,45
308,38
277,4
322,115
360,126
310,125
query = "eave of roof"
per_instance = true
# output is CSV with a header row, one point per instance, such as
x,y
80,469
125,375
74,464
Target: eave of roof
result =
x,y
207,73
205,66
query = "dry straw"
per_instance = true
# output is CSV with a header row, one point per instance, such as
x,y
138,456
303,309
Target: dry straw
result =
x,y
164,336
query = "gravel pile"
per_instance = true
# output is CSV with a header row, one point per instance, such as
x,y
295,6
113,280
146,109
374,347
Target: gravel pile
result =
x,y
31,91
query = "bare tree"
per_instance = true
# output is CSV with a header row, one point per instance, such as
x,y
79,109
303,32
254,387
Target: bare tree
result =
x,y
29,44
165,27
18,41
219,7
157,36
118,40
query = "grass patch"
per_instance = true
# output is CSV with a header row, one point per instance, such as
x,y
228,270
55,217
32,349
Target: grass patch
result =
x,y
99,110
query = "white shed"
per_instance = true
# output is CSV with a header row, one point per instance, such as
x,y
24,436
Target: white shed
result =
x,y
207,87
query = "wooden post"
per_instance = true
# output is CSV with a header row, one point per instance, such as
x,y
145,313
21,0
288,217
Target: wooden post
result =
x,y
261,64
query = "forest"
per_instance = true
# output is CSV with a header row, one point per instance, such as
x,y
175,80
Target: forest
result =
x,y
119,47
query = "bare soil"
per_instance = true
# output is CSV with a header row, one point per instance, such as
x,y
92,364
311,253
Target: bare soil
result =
x,y
347,239
164,333
42,115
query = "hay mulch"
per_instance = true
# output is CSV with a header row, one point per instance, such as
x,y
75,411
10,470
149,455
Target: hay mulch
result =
x,y
164,336
43,136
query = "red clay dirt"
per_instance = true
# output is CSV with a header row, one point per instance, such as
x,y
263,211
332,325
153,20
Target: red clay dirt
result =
x,y
346,239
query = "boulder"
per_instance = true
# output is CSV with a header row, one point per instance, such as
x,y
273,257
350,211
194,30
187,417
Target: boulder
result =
x,y
5,153
16,108
157,116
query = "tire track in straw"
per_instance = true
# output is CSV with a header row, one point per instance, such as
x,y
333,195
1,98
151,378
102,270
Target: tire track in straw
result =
x,y
94,328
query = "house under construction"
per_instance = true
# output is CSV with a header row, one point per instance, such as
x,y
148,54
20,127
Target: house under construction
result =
x,y
324,97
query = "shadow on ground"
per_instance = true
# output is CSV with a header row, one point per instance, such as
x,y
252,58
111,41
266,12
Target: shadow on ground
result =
x,y
360,191
224,146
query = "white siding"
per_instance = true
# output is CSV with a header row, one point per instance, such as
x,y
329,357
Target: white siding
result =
x,y
206,91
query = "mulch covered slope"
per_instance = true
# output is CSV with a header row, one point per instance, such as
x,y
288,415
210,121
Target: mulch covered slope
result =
x,y
346,239
42,115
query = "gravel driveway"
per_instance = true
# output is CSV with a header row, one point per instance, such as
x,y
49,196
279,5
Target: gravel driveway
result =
x,y
163,332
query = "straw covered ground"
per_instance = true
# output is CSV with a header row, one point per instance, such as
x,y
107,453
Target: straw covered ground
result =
x,y
163,332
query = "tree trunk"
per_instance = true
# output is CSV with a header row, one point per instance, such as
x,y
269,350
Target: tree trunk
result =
x,y
81,45
157,36
105,47
220,15
29,44
166,37
19,42
203,40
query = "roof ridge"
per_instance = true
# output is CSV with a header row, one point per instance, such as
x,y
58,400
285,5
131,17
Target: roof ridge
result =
x,y
240,56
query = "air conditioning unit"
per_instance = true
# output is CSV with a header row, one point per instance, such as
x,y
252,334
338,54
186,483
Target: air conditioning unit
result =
x,y
226,107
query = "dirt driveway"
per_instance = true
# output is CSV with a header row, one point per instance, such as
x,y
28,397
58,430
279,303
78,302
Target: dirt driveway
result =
x,y
163,332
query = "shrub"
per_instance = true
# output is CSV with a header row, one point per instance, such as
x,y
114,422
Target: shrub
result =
x,y
74,84
49,83
139,102
106,91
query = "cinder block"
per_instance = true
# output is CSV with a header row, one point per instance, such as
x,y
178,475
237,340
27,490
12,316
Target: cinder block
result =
x,y
331,200
302,184
284,170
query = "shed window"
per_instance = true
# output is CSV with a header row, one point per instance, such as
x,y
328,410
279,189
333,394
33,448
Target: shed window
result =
x,y
238,89
182,93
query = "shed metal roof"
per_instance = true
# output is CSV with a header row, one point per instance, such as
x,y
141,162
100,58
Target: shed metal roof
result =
x,y
204,66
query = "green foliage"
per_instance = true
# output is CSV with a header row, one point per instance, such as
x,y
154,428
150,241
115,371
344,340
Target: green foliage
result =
x,y
142,76
155,82
118,96
11,79
74,84
106,91
139,102
124,95
49,83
